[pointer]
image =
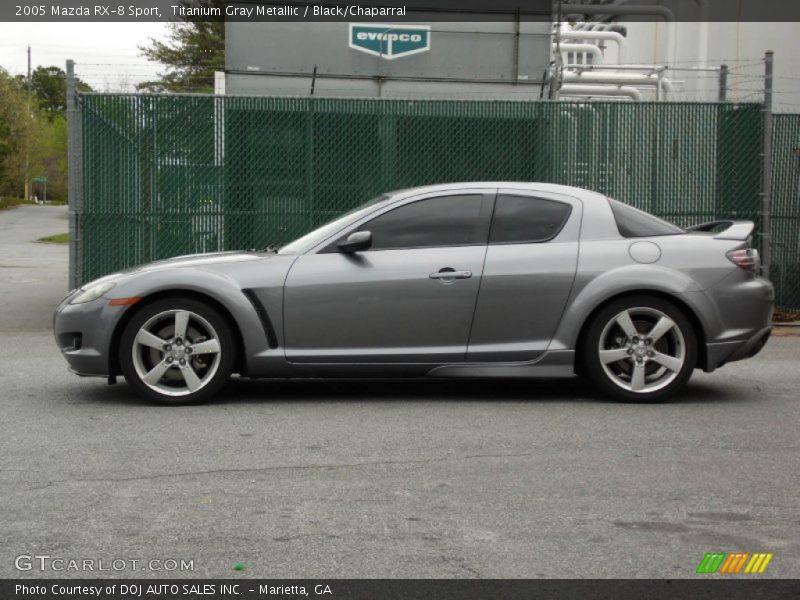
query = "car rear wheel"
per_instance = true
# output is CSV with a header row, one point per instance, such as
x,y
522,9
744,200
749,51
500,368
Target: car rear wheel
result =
x,y
177,351
640,349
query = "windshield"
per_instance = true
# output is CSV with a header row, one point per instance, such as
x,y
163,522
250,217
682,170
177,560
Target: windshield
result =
x,y
331,227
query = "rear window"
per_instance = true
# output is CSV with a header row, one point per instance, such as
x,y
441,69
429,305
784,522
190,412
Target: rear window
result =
x,y
632,222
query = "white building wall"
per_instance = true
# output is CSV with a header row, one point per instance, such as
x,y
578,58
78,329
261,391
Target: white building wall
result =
x,y
739,45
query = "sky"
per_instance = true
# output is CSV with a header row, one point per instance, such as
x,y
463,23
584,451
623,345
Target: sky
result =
x,y
105,54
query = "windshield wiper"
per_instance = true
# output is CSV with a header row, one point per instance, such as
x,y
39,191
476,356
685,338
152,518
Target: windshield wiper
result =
x,y
269,249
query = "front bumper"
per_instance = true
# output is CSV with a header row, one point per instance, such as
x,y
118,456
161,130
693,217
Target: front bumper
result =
x,y
83,333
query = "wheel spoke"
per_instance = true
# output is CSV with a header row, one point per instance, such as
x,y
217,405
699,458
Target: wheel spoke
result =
x,y
206,347
181,321
613,355
155,374
624,321
670,362
176,373
663,326
145,338
190,377
637,377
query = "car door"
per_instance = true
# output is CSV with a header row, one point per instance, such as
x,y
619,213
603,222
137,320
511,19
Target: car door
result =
x,y
528,274
409,298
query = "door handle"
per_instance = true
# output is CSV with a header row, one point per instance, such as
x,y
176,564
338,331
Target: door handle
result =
x,y
448,274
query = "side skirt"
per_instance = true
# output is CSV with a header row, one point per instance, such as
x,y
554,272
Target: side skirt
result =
x,y
555,364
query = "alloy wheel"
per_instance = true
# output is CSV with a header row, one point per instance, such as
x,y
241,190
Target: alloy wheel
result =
x,y
642,350
176,352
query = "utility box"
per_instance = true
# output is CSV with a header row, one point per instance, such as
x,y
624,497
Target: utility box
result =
x,y
469,60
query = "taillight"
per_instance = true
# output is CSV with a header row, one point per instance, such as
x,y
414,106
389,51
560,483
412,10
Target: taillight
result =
x,y
744,258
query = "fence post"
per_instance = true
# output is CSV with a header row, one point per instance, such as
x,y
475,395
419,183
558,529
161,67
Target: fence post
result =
x,y
766,170
309,143
723,83
74,178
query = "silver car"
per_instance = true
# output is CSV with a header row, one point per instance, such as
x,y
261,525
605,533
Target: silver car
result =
x,y
486,280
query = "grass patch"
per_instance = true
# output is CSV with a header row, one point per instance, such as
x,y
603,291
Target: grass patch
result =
x,y
6,202
58,238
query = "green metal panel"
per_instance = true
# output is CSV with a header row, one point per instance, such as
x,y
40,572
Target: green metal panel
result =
x,y
167,175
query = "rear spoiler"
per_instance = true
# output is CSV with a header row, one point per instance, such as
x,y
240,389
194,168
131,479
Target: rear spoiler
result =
x,y
728,230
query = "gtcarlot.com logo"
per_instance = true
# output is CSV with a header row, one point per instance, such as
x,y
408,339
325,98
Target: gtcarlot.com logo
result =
x,y
735,563
45,562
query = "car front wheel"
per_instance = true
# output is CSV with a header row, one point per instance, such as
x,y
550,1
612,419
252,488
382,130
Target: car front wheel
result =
x,y
177,351
640,349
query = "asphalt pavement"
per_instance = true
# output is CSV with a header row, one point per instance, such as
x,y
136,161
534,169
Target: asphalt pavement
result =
x,y
376,479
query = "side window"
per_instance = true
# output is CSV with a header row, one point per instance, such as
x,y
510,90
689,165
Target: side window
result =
x,y
632,222
442,221
522,219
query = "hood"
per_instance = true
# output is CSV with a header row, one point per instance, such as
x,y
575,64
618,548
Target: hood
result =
x,y
216,261
188,260
199,260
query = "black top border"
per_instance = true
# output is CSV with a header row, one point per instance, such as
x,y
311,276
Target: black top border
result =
x,y
389,11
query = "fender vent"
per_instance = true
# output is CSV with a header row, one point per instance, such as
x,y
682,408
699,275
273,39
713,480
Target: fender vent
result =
x,y
266,324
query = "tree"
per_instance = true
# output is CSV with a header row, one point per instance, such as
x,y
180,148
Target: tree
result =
x,y
49,85
194,50
32,141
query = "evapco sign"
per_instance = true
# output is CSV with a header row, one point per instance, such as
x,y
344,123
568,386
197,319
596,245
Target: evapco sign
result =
x,y
390,41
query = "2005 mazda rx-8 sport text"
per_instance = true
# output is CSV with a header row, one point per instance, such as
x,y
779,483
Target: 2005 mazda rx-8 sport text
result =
x,y
456,280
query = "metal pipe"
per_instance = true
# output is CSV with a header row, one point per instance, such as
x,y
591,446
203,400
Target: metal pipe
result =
x,y
650,68
612,36
590,49
516,48
601,90
660,79
615,9
766,170
619,10
723,83
385,78
619,79
74,277
555,80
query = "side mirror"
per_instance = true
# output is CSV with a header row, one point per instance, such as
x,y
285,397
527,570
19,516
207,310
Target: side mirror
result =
x,y
356,242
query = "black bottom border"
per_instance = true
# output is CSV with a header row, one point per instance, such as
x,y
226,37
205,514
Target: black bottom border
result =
x,y
389,589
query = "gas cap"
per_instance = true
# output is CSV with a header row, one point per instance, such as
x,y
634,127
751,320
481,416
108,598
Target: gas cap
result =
x,y
644,252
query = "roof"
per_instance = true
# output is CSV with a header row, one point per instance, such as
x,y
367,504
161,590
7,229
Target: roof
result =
x,y
521,185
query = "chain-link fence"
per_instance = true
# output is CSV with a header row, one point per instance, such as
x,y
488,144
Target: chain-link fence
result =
x,y
786,210
169,175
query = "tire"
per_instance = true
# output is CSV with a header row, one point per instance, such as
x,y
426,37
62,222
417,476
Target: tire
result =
x,y
189,368
645,357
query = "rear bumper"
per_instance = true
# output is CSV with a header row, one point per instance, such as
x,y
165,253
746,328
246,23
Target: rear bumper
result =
x,y
720,353
743,306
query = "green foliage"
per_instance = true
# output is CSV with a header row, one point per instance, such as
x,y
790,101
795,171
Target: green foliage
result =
x,y
32,140
10,202
195,50
49,85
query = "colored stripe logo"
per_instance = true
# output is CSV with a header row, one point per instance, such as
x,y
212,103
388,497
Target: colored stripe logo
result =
x,y
734,563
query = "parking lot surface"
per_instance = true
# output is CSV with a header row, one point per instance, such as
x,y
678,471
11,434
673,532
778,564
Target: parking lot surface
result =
x,y
382,479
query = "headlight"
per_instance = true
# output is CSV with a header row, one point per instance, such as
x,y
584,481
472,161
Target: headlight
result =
x,y
92,293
